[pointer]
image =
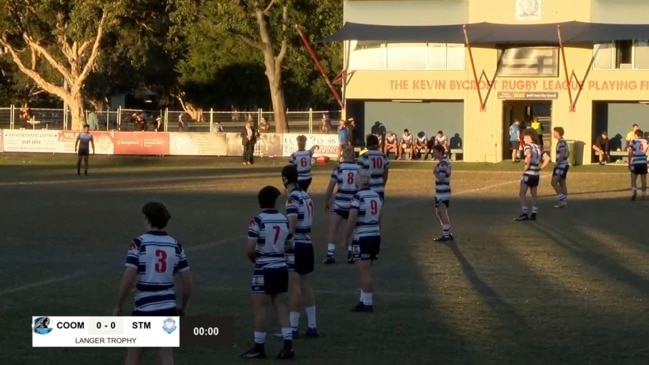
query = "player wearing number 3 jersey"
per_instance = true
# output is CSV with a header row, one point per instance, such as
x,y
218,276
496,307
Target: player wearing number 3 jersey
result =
x,y
363,233
269,238
301,159
152,261
344,176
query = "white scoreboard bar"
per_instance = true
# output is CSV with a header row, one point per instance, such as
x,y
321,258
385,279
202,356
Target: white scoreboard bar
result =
x,y
105,331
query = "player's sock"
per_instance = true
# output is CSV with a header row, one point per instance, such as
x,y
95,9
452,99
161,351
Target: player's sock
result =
x,y
362,296
446,230
535,209
366,298
294,320
287,335
331,249
310,315
524,210
260,340
561,197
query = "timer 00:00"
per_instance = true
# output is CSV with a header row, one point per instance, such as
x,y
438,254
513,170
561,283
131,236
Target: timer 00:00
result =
x,y
209,331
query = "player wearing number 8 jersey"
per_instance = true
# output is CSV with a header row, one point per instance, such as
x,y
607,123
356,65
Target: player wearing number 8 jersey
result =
x,y
300,258
377,164
638,164
301,159
268,238
344,176
363,234
152,261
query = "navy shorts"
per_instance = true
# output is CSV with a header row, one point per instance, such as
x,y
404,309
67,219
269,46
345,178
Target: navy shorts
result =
x,y
514,145
84,152
366,248
439,202
301,258
170,312
304,184
344,213
639,169
561,172
270,280
531,181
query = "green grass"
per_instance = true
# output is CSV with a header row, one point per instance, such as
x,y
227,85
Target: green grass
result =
x,y
571,288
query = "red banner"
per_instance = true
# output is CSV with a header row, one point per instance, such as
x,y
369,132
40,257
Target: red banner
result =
x,y
141,143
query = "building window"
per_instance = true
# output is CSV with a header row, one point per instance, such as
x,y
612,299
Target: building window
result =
x,y
371,55
528,62
622,55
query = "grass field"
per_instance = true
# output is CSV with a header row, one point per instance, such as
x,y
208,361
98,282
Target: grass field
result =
x,y
570,288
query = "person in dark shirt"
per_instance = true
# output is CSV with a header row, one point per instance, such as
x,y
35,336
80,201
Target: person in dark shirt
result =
x,y
601,147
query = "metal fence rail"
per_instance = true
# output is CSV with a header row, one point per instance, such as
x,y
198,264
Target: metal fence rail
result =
x,y
308,121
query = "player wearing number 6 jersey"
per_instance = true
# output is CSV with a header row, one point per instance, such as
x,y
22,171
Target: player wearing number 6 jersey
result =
x,y
152,261
268,238
377,164
300,258
638,164
301,159
344,176
363,233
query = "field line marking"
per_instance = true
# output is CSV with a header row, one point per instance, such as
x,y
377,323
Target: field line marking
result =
x,y
327,292
83,273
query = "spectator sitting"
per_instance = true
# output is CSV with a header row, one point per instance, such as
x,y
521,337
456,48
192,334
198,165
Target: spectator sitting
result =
x,y
391,144
441,140
421,145
263,125
601,148
406,143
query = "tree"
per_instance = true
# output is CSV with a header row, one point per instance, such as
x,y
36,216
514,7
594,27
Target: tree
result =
x,y
64,37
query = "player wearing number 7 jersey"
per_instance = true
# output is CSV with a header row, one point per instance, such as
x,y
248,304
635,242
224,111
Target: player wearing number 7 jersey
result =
x,y
344,176
377,164
301,159
152,261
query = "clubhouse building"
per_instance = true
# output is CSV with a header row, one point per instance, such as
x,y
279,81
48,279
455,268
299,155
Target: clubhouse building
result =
x,y
470,67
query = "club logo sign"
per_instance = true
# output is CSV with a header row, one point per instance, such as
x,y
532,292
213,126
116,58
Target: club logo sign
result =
x,y
528,10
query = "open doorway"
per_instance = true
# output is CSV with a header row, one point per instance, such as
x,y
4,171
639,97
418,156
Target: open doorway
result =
x,y
526,111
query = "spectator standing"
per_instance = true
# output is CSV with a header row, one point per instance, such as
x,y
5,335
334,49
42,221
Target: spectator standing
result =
x,y
248,139
515,139
183,121
538,128
93,120
263,125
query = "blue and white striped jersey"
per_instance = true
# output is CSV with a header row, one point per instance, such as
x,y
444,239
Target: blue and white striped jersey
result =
x,y
368,204
270,229
443,180
157,257
299,203
562,146
84,140
376,163
639,148
345,176
534,151
302,161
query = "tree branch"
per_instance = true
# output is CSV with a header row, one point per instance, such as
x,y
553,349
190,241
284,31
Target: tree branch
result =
x,y
270,5
94,53
43,52
247,40
83,46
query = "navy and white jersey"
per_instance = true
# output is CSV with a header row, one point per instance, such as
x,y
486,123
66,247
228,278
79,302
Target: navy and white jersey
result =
x,y
639,148
302,161
376,163
561,147
443,180
270,229
534,151
157,257
368,204
84,140
299,203
421,141
345,176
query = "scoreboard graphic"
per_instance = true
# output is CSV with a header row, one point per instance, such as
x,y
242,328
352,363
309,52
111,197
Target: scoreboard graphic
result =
x,y
142,331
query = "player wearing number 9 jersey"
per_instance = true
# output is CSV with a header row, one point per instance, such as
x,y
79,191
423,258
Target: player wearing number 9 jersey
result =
x,y
638,164
363,233
301,159
377,164
152,261
344,176
300,259
269,238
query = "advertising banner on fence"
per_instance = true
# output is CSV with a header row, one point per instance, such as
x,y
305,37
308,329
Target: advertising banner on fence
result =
x,y
25,140
141,143
269,145
103,142
197,144
328,144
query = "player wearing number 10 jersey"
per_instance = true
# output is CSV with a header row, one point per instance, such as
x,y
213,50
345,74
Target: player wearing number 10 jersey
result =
x,y
377,164
344,176
152,261
638,164
301,159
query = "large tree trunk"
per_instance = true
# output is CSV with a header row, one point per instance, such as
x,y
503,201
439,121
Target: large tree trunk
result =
x,y
75,103
279,104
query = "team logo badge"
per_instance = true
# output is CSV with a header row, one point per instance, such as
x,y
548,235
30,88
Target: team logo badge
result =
x,y
41,325
169,325
529,8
